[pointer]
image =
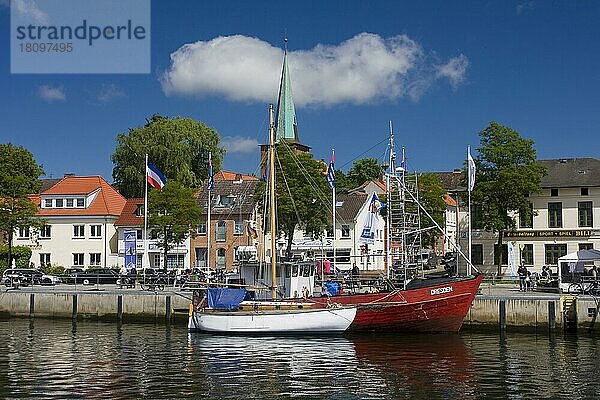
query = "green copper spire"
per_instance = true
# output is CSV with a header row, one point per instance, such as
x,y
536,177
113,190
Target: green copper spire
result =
x,y
287,127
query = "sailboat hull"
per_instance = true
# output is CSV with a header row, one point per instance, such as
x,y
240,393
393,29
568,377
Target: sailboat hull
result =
x,y
315,321
437,307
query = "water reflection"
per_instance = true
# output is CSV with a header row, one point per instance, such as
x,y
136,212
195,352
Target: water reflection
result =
x,y
60,359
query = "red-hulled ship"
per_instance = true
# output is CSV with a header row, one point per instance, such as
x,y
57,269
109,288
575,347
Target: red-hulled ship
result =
x,y
427,305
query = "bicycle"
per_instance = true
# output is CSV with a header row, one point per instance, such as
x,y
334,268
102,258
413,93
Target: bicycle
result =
x,y
591,288
153,283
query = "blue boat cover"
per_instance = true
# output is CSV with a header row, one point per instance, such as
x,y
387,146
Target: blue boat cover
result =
x,y
225,298
332,288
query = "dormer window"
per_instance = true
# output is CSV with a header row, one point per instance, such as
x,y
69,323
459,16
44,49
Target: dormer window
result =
x,y
59,203
226,201
69,203
139,210
48,203
80,203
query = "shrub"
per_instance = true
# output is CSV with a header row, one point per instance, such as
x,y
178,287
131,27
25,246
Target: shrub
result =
x,y
22,255
53,269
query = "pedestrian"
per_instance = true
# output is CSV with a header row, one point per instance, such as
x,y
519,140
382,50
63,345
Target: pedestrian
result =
x,y
528,285
522,271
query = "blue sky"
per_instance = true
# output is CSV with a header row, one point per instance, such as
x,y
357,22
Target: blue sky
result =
x,y
440,71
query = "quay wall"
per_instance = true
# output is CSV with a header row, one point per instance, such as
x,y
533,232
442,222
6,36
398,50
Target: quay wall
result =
x,y
533,313
96,306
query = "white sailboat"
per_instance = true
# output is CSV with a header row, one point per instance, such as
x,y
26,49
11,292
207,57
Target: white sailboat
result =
x,y
224,311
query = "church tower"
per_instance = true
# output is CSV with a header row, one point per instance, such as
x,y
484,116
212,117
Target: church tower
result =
x,y
286,125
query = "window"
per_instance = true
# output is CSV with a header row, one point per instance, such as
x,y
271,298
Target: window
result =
x,y
59,203
329,233
44,259
201,253
201,230
175,261
527,254
78,259
155,261
80,203
226,201
554,192
138,261
221,231
555,215
221,258
48,203
94,258
23,233
477,212
477,254
585,213
585,191
586,246
70,203
95,231
345,231
527,222
238,227
45,232
553,252
139,234
79,231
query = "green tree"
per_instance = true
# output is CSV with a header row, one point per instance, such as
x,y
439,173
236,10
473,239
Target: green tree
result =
x,y
431,197
507,174
173,213
177,146
302,194
363,170
19,178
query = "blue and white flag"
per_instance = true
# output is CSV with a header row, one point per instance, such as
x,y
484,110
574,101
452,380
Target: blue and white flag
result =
x,y
331,171
130,238
373,220
211,179
472,169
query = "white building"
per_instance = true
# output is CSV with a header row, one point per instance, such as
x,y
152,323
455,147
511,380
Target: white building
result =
x,y
132,219
566,219
80,212
351,212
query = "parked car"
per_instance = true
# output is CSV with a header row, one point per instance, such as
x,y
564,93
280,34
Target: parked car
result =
x,y
94,276
70,273
27,277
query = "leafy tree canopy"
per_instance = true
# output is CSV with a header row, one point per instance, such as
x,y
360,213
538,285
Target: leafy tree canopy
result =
x,y
173,213
431,197
19,177
302,193
363,170
177,146
507,173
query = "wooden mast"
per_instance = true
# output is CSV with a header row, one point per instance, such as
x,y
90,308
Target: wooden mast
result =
x,y
272,203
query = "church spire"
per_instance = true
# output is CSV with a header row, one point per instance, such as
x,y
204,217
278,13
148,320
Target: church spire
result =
x,y
286,128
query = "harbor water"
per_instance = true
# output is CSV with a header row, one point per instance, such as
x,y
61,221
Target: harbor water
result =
x,y
63,359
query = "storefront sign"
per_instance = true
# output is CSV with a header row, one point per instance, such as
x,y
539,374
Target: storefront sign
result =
x,y
541,234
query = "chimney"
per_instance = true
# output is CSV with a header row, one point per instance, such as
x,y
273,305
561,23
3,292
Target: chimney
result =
x,y
69,174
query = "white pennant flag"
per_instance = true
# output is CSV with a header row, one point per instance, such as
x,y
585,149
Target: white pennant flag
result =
x,y
471,163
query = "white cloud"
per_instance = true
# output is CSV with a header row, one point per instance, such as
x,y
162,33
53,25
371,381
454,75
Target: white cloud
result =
x,y
50,94
238,144
29,10
110,92
365,68
522,8
455,70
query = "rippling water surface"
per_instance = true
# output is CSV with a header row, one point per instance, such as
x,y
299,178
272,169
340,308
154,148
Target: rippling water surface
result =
x,y
58,359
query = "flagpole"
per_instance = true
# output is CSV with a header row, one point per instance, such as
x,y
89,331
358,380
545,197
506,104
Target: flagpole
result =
x,y
469,190
208,246
146,260
334,230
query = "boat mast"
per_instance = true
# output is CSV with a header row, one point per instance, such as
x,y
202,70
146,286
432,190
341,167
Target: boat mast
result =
x,y
272,202
391,169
